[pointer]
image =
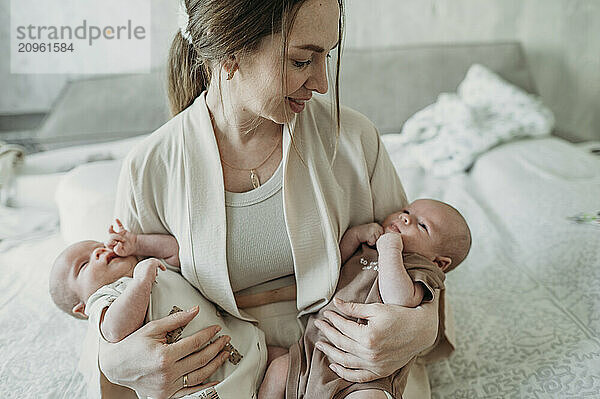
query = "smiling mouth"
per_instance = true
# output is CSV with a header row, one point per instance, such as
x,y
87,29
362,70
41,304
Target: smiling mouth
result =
x,y
297,101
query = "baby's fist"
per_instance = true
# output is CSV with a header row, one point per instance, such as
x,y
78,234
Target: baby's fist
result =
x,y
390,241
147,270
122,242
372,233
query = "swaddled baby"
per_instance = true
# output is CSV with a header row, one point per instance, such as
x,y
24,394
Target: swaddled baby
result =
x,y
415,247
108,285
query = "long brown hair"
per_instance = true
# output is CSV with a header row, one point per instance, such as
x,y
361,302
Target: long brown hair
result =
x,y
220,28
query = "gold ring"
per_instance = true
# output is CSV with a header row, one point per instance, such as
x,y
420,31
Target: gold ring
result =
x,y
185,376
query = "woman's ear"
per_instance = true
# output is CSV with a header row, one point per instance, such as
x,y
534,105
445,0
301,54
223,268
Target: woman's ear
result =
x,y
79,310
443,262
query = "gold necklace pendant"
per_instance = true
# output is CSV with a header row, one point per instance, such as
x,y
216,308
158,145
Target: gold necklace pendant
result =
x,y
253,175
254,179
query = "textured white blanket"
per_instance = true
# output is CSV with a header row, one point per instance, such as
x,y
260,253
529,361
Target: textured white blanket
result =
x,y
446,137
526,301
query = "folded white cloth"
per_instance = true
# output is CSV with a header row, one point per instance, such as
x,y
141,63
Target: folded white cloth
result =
x,y
447,136
11,156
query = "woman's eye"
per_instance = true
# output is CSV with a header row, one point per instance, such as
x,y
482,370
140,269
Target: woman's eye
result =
x,y
301,64
423,226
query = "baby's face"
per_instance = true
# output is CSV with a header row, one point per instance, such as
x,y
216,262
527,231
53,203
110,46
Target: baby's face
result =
x,y
90,265
423,225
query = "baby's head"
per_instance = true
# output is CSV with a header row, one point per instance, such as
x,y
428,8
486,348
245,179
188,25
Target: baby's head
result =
x,y
434,230
80,270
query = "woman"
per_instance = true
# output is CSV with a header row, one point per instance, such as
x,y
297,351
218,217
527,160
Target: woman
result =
x,y
258,182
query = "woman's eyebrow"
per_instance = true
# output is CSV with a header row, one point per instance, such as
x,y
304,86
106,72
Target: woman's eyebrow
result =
x,y
314,47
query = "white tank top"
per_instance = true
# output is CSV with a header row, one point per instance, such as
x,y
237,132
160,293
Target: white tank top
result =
x,y
258,246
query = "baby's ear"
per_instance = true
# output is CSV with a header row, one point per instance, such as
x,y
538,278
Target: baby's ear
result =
x,y
443,262
79,310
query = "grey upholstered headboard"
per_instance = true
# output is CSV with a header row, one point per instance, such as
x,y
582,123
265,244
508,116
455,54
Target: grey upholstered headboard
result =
x,y
106,108
389,85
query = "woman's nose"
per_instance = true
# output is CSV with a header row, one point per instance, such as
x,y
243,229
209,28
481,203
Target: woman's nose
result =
x,y
318,79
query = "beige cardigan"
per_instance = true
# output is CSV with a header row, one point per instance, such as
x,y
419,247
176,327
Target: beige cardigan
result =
x,y
172,183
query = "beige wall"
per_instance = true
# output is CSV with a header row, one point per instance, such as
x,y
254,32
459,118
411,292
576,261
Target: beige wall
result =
x,y
561,40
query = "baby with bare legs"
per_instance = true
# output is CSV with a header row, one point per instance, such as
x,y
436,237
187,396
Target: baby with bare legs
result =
x,y
414,248
119,293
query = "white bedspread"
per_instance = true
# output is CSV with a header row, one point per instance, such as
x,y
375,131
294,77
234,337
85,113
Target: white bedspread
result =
x,y
526,301
39,345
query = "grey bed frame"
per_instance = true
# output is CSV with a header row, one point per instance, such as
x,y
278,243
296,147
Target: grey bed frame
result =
x,y
388,85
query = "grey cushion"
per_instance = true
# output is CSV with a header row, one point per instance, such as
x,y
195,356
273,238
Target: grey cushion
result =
x,y
106,108
389,85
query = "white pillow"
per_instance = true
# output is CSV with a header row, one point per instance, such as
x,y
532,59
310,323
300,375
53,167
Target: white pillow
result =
x,y
447,137
85,198
65,159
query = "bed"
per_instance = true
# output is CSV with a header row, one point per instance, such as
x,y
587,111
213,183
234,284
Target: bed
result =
x,y
526,302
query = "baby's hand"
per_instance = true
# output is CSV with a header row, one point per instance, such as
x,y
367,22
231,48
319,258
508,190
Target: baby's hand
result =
x,y
391,240
370,233
122,242
147,270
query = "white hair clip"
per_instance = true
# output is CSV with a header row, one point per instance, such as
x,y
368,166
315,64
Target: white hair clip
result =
x,y
183,19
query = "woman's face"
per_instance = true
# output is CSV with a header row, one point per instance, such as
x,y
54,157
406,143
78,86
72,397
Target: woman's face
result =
x,y
259,85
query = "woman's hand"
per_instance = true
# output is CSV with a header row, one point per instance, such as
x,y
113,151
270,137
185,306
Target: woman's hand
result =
x,y
143,361
392,336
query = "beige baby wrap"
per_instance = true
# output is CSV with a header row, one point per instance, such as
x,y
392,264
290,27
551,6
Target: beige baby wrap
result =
x,y
309,375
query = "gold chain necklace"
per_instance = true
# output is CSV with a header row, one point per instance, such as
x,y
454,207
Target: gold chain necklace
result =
x,y
253,176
